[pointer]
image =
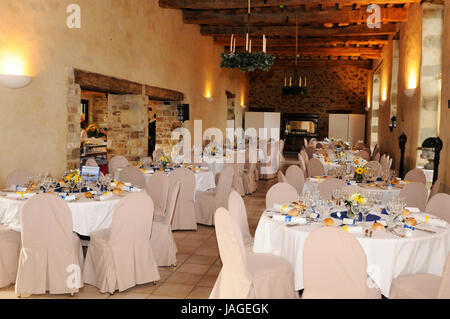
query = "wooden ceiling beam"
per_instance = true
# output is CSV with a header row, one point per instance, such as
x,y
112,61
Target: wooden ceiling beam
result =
x,y
304,31
320,51
314,17
306,63
241,4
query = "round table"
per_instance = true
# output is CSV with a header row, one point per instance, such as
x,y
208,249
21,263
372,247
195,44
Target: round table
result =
x,y
388,256
216,163
312,185
88,215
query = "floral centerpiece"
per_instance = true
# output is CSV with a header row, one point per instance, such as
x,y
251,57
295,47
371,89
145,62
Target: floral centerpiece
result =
x,y
73,179
163,161
246,61
353,204
94,130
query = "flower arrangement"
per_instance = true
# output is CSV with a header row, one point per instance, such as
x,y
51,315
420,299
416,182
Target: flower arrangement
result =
x,y
359,173
246,61
73,179
163,161
353,204
94,130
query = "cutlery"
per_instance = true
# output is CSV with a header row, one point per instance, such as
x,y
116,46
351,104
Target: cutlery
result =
x,y
395,233
426,230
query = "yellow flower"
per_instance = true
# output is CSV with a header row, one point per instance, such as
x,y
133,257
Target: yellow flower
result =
x,y
359,170
366,170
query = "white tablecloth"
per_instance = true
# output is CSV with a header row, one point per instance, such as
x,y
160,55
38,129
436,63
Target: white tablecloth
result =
x,y
204,180
216,163
87,215
388,256
388,194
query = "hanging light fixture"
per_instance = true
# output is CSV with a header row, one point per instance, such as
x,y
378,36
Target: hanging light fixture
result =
x,y
297,84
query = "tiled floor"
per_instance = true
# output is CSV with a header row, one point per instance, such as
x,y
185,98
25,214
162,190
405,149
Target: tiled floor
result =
x,y
198,262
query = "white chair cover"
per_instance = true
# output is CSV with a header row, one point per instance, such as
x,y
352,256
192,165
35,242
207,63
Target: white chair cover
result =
x,y
281,146
269,169
206,203
295,177
281,177
310,151
434,188
327,187
161,240
158,189
315,167
364,154
439,206
91,162
49,247
236,207
116,162
335,266
376,158
416,175
121,257
303,165
281,193
133,175
9,255
248,275
184,216
415,195
249,179
18,177
305,156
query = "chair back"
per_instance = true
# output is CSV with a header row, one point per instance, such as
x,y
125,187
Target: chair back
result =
x,y
415,195
116,162
334,265
133,175
281,147
187,183
235,282
18,177
327,187
315,167
171,203
158,189
377,157
236,208
303,165
281,193
281,177
435,188
364,154
223,188
444,289
296,177
91,162
132,219
439,206
310,151
305,142
416,175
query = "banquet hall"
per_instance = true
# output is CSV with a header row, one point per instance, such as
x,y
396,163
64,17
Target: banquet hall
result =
x,y
225,149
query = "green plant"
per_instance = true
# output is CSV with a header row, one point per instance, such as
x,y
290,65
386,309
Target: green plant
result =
x,y
246,61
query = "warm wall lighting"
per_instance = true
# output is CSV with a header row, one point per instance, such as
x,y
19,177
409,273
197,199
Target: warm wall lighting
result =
x,y
208,95
412,84
12,73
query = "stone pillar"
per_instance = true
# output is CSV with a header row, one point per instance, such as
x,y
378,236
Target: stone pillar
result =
x,y
73,122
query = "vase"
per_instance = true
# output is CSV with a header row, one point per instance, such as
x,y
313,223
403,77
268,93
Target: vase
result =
x,y
359,177
353,212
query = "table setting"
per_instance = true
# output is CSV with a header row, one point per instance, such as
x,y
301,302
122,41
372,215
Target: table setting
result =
x,y
397,239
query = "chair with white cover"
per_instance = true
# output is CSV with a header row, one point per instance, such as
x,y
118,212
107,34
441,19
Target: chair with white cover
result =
x,y
184,216
9,255
374,167
303,165
146,160
116,162
121,257
248,275
295,177
238,183
133,175
49,247
374,151
18,177
416,175
376,157
158,190
304,155
434,188
439,206
327,187
281,193
249,179
91,162
281,146
315,167
310,151
415,194
282,178
269,168
364,154
335,266
422,285
162,242
236,207
206,203
305,142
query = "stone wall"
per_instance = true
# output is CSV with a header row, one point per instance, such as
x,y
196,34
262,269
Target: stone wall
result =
x,y
329,89
166,122
98,107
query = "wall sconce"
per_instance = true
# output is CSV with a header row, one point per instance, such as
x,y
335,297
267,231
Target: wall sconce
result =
x,y
393,123
412,84
209,98
15,81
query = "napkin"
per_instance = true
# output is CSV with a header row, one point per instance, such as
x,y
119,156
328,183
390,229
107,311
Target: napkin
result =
x,y
413,209
292,219
282,208
422,218
68,197
104,196
353,229
134,189
351,183
315,179
342,215
20,195
17,188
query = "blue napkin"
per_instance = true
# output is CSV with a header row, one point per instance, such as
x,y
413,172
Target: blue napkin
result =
x,y
384,212
369,218
379,179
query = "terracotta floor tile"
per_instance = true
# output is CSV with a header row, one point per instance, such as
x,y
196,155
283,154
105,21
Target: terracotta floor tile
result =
x,y
184,278
173,290
200,293
202,260
194,269
207,281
